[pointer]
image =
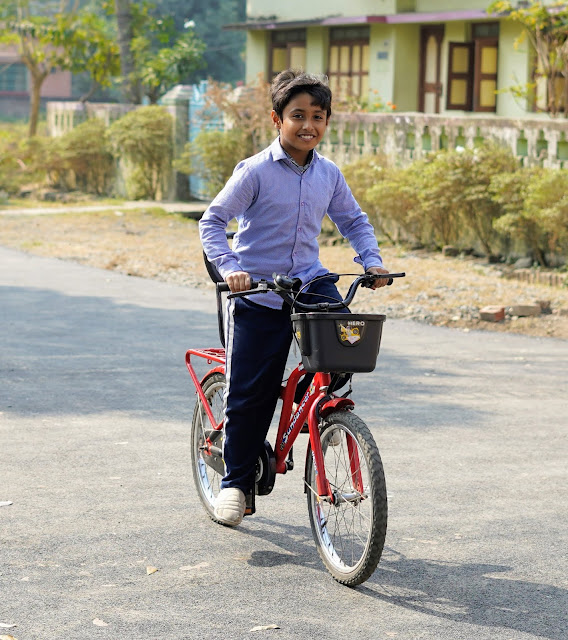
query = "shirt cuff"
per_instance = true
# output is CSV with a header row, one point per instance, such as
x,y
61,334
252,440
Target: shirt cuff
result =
x,y
374,261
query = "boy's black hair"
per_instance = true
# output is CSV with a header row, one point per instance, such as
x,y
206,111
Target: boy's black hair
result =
x,y
291,82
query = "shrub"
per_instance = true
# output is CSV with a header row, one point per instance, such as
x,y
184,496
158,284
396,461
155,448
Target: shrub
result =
x,y
477,207
397,204
213,155
362,176
535,202
143,138
20,161
85,152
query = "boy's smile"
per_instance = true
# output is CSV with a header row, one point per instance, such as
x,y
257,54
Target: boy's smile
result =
x,y
302,126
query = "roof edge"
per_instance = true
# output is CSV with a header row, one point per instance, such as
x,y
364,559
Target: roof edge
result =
x,y
395,18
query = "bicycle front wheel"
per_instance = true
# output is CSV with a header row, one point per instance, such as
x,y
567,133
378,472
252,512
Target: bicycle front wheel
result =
x,y
208,469
350,529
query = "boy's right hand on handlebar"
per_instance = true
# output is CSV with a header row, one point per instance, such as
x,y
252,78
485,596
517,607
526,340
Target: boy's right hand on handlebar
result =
x,y
238,281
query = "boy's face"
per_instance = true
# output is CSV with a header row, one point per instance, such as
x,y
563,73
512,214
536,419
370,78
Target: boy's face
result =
x,y
302,126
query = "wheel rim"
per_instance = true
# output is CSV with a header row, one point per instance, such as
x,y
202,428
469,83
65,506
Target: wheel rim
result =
x,y
209,480
344,528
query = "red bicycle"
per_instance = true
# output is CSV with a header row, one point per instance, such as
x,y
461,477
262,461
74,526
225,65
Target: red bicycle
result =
x,y
343,477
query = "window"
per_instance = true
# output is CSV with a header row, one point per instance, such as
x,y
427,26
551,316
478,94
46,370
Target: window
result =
x,y
288,50
13,77
472,70
349,62
460,77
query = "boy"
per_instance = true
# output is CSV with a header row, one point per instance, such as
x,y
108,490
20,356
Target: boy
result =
x,y
279,198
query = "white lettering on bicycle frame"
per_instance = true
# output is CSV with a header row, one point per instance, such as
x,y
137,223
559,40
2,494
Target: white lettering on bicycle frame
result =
x,y
296,415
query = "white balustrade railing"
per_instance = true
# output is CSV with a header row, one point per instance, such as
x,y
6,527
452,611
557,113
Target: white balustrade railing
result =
x,y
404,137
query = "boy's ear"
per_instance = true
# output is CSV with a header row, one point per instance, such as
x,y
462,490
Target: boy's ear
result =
x,y
275,119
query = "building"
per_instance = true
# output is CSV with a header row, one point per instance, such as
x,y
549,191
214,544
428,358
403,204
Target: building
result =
x,y
15,86
420,55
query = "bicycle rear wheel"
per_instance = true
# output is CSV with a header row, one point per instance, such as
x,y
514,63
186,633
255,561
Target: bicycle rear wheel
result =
x,y
349,531
208,470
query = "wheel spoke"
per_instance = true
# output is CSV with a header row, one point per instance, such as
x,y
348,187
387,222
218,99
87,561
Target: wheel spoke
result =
x,y
350,529
207,479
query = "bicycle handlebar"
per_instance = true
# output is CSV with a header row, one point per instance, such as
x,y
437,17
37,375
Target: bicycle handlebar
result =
x,y
283,286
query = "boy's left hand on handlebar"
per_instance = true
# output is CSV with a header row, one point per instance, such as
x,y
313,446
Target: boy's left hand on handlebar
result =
x,y
379,282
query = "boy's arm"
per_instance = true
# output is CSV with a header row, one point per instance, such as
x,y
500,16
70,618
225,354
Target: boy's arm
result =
x,y
235,197
354,225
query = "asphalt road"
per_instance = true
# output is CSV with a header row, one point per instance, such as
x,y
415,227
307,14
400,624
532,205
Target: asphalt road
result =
x,y
95,407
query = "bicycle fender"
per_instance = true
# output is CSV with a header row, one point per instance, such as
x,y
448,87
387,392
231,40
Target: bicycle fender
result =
x,y
219,369
334,404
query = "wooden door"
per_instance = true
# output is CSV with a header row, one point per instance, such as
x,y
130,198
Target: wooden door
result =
x,y
430,88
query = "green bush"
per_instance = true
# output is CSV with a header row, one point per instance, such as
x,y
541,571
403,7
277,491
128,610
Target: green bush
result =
x,y
397,205
20,161
143,138
535,205
478,208
86,153
440,200
213,155
362,176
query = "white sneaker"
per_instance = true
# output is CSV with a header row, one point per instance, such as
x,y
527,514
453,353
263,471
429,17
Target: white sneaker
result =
x,y
230,506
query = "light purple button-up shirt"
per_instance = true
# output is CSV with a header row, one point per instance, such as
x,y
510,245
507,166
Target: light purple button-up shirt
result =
x,y
279,211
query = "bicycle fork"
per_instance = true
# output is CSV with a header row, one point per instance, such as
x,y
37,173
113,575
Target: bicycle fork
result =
x,y
321,407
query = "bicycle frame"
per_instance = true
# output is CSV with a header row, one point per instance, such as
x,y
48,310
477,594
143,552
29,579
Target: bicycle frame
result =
x,y
315,403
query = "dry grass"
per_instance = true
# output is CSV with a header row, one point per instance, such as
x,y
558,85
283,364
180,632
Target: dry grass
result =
x,y
152,244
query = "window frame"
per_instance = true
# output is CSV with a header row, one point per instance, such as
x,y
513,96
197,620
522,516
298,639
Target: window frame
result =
x,y
351,42
286,46
467,105
478,76
6,64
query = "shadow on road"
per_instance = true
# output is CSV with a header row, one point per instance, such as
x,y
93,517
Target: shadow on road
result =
x,y
469,593
85,354
466,593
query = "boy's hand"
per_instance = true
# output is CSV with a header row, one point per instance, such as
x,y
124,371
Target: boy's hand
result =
x,y
238,281
381,282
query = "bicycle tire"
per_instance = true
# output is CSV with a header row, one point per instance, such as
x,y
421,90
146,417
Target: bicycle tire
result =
x,y
207,480
349,533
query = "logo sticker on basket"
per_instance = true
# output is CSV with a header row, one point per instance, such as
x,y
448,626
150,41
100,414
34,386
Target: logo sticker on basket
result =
x,y
350,332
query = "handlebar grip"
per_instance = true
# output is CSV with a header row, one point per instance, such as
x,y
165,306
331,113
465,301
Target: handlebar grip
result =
x,y
382,276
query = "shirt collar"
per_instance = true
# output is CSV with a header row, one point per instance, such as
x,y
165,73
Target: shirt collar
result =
x,y
278,153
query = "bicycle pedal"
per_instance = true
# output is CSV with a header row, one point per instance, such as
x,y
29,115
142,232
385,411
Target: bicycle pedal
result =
x,y
250,507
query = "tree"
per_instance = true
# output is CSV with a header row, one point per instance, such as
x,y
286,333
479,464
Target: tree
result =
x,y
62,38
130,84
154,54
224,56
546,29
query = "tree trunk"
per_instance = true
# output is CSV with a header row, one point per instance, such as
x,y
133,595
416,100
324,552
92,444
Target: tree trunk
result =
x,y
130,86
35,101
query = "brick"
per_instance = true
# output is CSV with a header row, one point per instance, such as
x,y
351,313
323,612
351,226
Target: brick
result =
x,y
492,313
524,310
450,251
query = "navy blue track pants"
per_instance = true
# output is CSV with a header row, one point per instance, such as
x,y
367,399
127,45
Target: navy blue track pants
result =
x,y
257,344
